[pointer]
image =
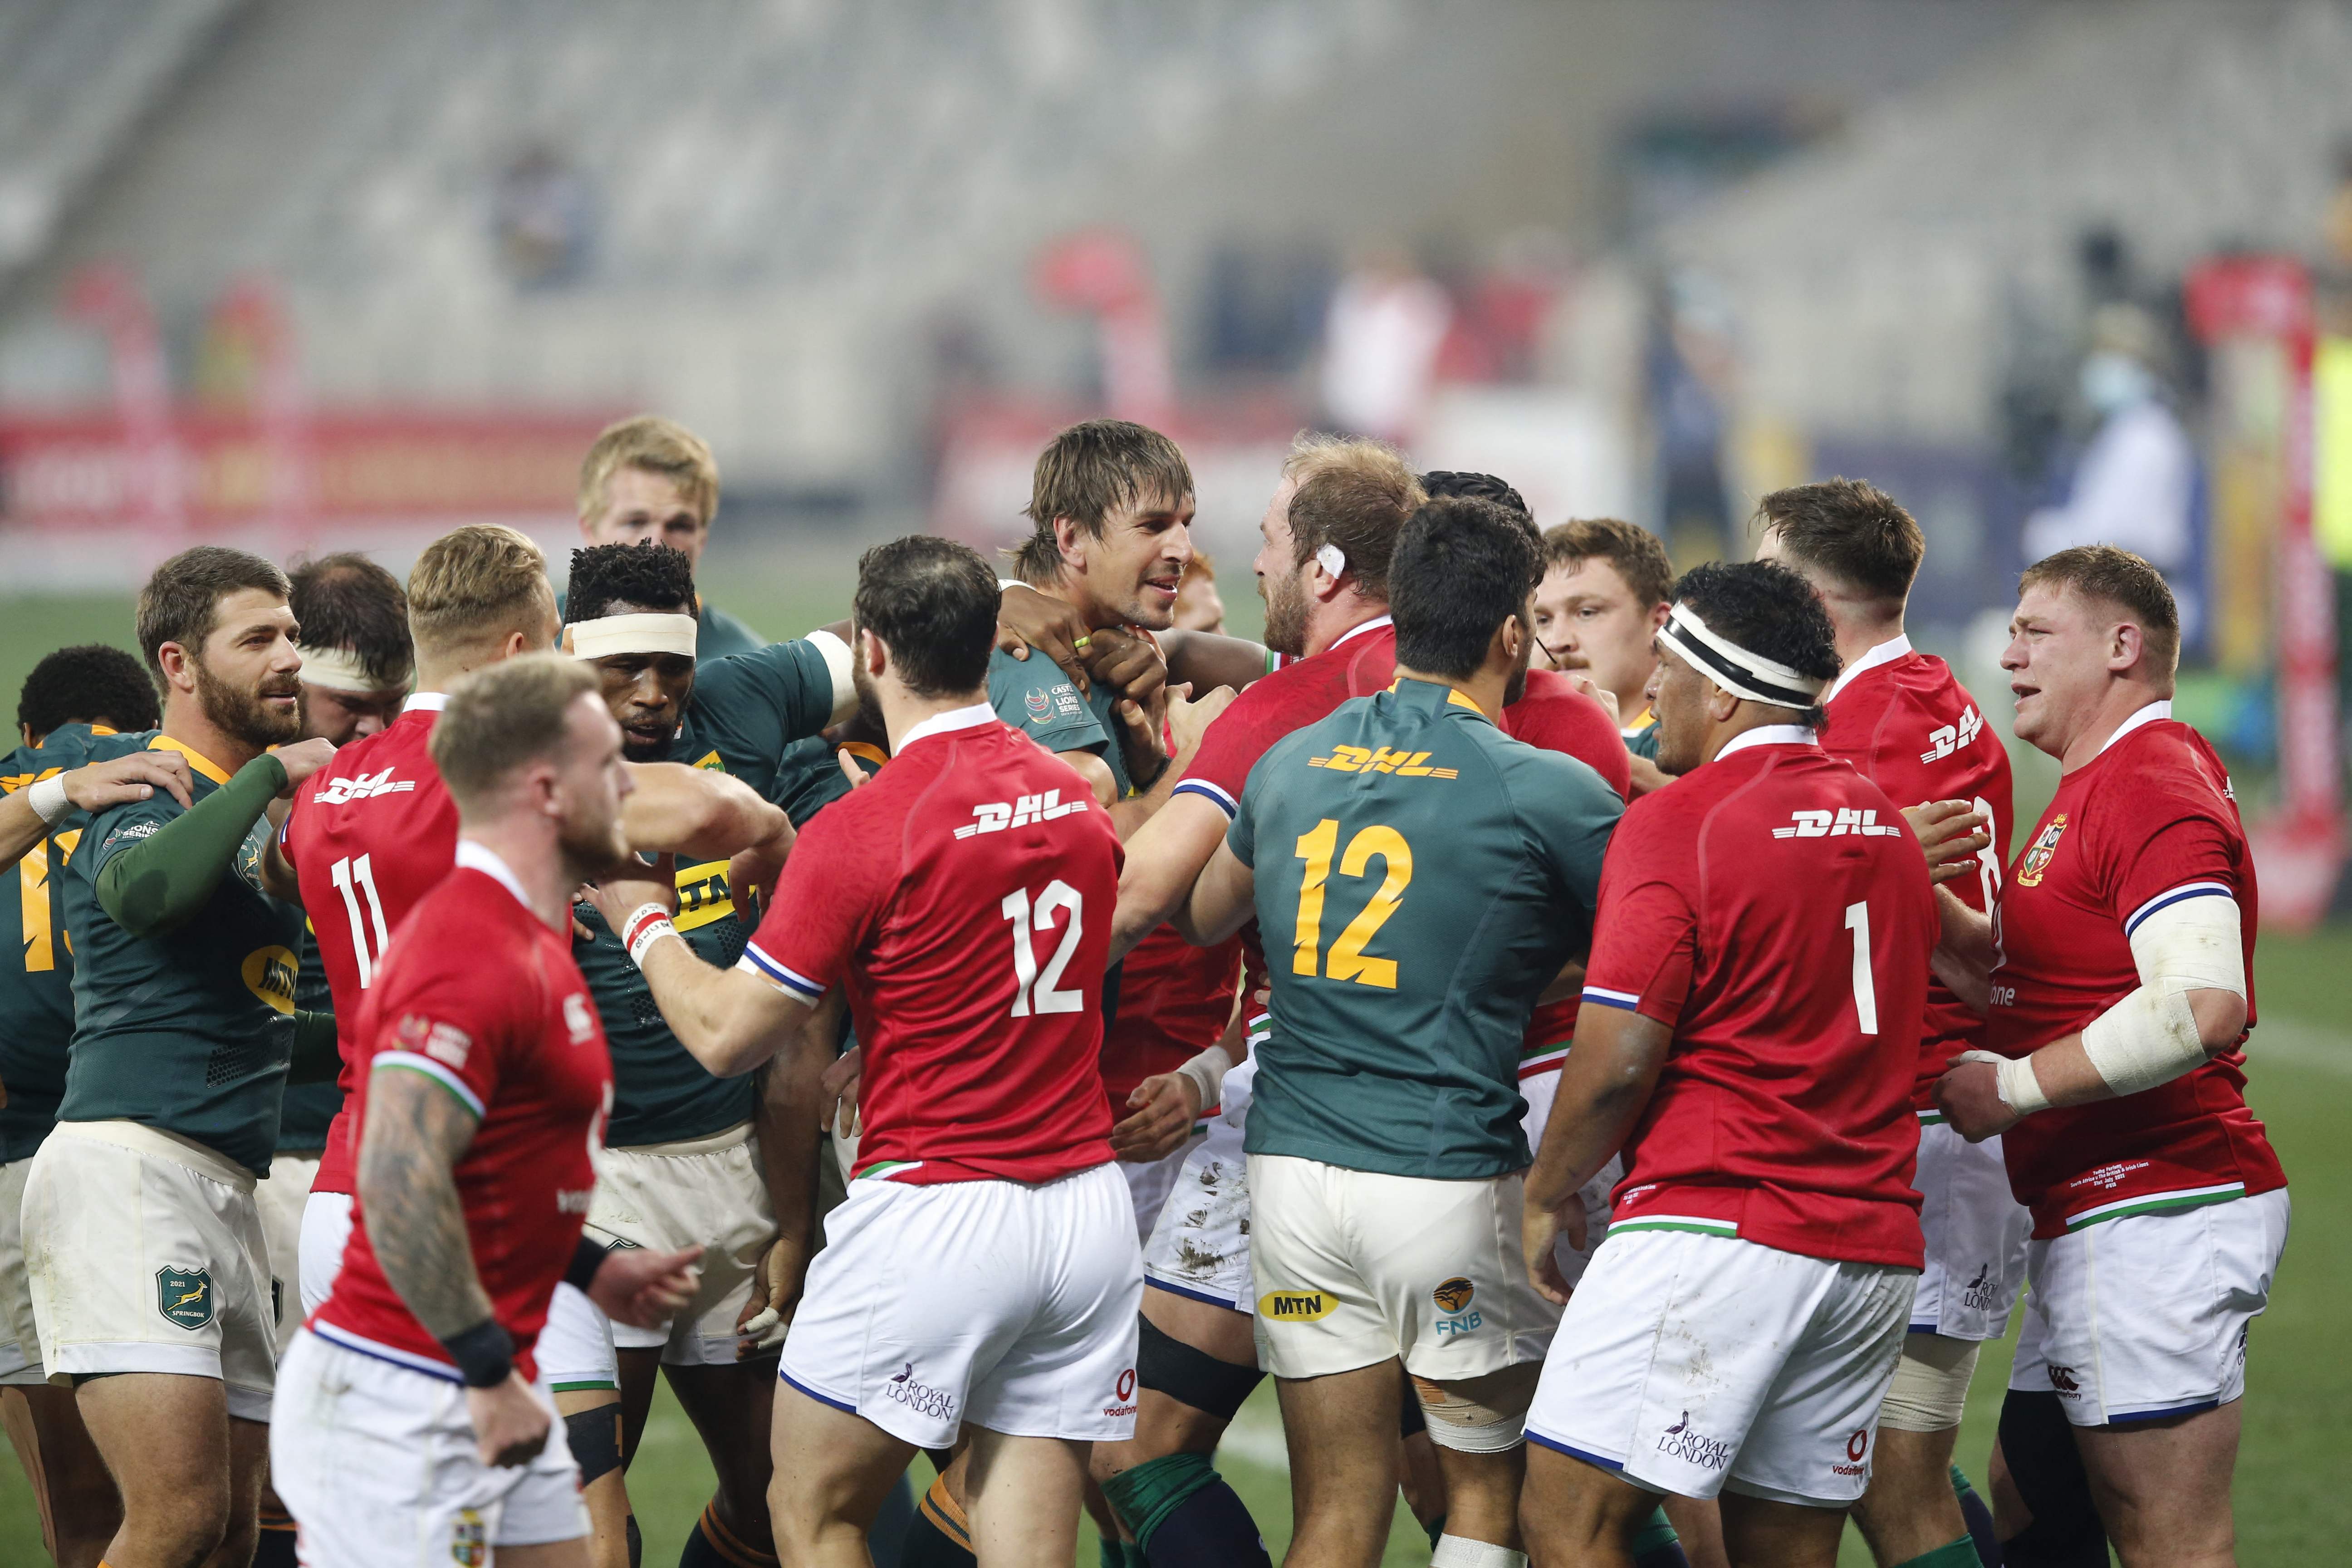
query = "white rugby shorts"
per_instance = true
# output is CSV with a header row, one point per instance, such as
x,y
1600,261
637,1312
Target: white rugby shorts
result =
x,y
2147,1315
1148,1184
146,1254
699,1192
1538,1091
1976,1233
326,1231
1200,1246
20,1341
1694,1364
1353,1267
376,1461
283,1200
575,1348
1003,1304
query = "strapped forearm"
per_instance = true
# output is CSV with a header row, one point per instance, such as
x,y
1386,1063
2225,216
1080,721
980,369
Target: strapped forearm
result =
x,y
159,883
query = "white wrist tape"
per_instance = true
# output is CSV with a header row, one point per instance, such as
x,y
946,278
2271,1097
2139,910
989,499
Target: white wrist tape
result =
x,y
48,799
1206,1073
2013,1079
646,924
2150,1038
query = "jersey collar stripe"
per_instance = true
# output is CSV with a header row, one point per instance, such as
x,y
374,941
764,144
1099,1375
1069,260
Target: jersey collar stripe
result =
x,y
411,1062
196,759
1886,652
954,719
2157,1203
358,1344
2165,901
1375,624
2159,709
1770,735
1629,1000
778,975
1678,1222
1211,793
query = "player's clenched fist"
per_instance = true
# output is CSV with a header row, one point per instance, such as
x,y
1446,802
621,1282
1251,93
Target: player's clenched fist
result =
x,y
645,1290
1166,1105
300,760
510,1423
1969,1097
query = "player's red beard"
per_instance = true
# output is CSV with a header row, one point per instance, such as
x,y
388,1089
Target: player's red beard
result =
x,y
243,713
1285,614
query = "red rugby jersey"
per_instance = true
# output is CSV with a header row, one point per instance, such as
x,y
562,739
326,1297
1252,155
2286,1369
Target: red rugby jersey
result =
x,y
1910,728
2147,823
1174,1001
1772,910
369,834
480,995
964,896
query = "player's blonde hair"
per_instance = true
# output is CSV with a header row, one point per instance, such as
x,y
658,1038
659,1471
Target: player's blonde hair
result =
x,y
658,446
477,583
503,716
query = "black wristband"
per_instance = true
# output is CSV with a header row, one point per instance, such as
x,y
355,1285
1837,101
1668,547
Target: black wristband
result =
x,y
587,1258
484,1353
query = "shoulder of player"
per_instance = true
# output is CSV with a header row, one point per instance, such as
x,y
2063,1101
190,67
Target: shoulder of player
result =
x,y
2166,761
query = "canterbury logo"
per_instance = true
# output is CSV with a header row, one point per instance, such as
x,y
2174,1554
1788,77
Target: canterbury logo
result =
x,y
1863,823
996,816
335,792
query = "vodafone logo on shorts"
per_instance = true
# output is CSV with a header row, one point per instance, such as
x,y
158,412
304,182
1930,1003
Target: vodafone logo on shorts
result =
x,y
1122,1395
1857,1448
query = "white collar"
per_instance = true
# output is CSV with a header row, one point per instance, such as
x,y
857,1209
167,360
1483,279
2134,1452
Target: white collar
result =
x,y
954,719
426,703
2159,709
1375,624
1770,735
1886,652
480,856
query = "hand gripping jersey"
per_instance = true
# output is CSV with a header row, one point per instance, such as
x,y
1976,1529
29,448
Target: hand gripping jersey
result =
x,y
2149,821
1793,969
477,993
964,897
368,836
1399,1001
1911,728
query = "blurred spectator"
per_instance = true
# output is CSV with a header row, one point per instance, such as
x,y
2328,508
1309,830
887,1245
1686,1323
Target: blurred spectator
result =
x,y
1381,339
544,218
1199,606
1692,357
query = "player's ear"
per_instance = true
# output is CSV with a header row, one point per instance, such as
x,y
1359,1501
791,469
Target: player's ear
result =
x,y
1071,540
1658,614
175,660
2124,646
872,651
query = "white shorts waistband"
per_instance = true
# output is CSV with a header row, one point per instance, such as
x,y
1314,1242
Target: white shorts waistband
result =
x,y
142,1138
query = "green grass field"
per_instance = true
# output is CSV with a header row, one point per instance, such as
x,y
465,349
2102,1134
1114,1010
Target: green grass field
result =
x,y
2291,1500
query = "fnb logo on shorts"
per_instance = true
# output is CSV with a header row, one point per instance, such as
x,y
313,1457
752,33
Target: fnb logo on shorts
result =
x,y
919,1396
1846,820
1857,1447
1122,1395
996,816
1296,1306
367,786
1943,741
1678,1441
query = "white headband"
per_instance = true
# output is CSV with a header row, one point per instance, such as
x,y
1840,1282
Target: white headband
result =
x,y
1735,668
339,670
641,633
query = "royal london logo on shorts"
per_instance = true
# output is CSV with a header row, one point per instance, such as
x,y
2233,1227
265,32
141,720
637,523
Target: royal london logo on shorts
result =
x,y
920,1396
184,1296
470,1539
1979,1294
2038,856
1296,1306
268,974
1679,1442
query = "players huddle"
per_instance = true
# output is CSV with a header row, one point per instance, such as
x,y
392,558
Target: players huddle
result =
x,y
1574,1029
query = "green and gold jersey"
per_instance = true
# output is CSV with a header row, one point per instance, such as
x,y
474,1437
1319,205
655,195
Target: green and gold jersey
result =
x,y
1421,878
36,966
191,1031
308,1107
1035,698
756,716
1641,736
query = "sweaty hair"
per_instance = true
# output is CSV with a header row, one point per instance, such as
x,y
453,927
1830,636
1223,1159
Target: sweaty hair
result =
x,y
480,580
1085,474
347,601
1635,553
933,602
1440,482
1848,529
1767,609
503,716
96,683
181,603
1354,494
653,576
1463,566
2127,582
658,446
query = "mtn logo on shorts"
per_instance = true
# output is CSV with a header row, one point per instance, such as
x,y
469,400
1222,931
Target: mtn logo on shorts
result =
x,y
1296,1306
184,1296
1454,1295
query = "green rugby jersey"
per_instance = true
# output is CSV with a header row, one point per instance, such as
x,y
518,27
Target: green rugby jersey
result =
x,y
308,1107
1035,697
191,1031
1421,878
754,715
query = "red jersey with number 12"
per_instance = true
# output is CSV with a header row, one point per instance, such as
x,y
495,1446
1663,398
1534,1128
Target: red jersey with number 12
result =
x,y
369,834
480,995
964,896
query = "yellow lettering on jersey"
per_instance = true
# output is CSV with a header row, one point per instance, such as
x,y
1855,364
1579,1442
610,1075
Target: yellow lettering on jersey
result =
x,y
702,894
1342,760
33,885
10,783
65,843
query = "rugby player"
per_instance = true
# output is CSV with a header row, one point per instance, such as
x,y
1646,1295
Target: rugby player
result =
x,y
652,480
1906,724
1605,593
984,1149
726,1164
2117,969
74,701
141,1236
1737,1328
1384,1145
416,1425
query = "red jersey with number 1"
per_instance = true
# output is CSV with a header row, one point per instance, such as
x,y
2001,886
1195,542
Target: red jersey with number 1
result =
x,y
964,897
480,995
1910,728
369,834
1793,967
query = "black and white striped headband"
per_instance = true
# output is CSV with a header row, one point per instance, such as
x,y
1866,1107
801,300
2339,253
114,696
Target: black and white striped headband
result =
x,y
1735,668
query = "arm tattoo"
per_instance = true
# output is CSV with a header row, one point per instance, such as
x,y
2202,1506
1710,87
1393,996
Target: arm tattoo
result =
x,y
408,1190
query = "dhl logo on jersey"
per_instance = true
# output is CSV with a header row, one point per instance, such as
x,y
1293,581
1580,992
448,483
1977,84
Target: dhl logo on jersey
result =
x,y
702,894
1404,765
367,786
1862,823
10,783
1945,739
996,816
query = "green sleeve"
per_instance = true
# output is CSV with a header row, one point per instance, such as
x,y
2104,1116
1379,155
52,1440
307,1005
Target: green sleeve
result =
x,y
1034,698
1241,837
316,1059
1571,812
754,705
160,882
